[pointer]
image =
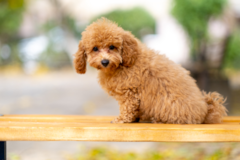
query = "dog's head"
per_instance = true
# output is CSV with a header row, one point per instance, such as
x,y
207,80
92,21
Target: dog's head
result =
x,y
105,46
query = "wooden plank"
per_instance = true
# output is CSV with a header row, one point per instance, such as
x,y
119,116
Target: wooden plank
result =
x,y
99,128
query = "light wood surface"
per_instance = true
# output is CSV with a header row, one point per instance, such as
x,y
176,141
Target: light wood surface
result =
x,y
99,128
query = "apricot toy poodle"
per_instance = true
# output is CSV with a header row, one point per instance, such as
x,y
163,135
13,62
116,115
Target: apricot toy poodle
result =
x,y
147,85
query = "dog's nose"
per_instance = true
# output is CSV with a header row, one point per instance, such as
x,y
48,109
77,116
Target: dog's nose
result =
x,y
105,62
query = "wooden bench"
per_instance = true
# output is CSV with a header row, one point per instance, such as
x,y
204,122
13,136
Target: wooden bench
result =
x,y
99,128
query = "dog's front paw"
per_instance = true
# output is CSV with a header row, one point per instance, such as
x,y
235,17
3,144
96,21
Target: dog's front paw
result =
x,y
117,120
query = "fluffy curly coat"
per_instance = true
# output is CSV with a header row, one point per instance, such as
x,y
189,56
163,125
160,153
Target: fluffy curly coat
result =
x,y
147,85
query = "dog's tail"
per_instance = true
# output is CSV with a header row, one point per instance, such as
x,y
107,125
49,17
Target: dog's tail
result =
x,y
216,108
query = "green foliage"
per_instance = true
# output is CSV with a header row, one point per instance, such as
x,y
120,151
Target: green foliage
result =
x,y
10,19
194,16
54,57
102,153
14,157
15,4
232,58
71,25
136,20
67,23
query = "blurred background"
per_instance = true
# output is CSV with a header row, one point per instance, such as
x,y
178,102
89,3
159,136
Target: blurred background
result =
x,y
39,37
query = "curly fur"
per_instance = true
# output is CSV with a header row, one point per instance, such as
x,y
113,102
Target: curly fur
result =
x,y
147,85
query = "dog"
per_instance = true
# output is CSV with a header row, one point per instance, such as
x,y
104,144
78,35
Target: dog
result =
x,y
147,85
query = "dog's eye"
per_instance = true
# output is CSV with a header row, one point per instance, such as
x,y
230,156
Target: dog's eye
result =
x,y
111,47
95,49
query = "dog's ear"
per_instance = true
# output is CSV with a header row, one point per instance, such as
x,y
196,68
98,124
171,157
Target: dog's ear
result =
x,y
80,59
129,49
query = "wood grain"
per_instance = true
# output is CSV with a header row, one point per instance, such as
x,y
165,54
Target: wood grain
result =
x,y
99,128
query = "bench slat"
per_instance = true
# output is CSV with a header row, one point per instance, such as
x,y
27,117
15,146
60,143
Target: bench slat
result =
x,y
99,128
